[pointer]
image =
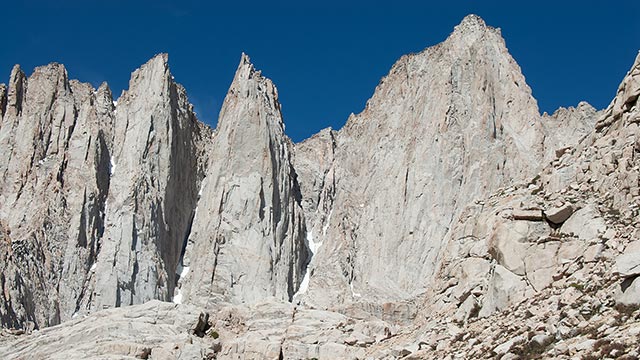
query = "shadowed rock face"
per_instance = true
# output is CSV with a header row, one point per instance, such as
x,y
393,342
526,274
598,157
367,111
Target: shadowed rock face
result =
x,y
3,100
153,189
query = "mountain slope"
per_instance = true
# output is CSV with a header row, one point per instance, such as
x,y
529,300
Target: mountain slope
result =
x,y
447,219
447,126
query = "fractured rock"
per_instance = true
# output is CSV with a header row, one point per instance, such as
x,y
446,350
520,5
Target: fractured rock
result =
x,y
628,263
529,215
558,215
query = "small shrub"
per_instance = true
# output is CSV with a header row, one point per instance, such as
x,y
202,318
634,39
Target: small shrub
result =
x,y
606,347
626,309
590,357
214,334
577,286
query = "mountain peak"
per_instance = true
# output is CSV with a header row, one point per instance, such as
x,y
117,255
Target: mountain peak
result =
x,y
248,83
16,90
471,28
153,76
245,68
472,20
159,64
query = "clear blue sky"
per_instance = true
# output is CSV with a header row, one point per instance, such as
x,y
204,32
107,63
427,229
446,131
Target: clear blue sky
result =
x,y
325,57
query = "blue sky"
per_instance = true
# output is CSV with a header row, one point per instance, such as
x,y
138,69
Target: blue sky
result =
x,y
325,57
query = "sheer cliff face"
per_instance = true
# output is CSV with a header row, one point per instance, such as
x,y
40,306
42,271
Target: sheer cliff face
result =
x,y
95,207
446,126
98,201
153,189
105,205
3,100
54,141
247,239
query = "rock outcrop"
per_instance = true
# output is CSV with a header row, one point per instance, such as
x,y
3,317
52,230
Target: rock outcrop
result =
x,y
566,127
53,179
155,175
96,203
247,237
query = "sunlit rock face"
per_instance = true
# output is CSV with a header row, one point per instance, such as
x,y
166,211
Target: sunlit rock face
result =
x,y
447,219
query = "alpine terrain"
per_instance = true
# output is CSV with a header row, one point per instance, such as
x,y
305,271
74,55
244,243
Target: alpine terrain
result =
x,y
447,220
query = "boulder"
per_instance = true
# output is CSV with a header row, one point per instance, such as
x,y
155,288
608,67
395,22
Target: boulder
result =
x,y
558,215
529,215
628,264
585,223
629,292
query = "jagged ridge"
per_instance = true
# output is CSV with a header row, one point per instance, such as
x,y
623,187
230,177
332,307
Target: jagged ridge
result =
x,y
436,199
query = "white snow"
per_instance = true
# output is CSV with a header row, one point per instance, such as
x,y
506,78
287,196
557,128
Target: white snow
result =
x,y
201,188
177,298
115,102
313,246
355,294
326,224
113,166
94,266
44,160
181,272
304,285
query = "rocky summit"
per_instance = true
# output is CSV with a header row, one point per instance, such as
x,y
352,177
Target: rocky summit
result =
x,y
447,220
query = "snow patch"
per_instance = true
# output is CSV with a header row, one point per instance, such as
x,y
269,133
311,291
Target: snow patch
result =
x,y
354,293
115,103
181,271
313,246
326,224
112,167
93,267
177,298
201,188
304,285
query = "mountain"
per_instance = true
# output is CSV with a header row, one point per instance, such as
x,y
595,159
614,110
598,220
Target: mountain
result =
x,y
448,219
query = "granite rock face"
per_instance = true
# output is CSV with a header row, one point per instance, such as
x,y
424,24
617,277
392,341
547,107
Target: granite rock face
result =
x,y
247,237
54,179
155,173
449,219
447,126
95,207
589,196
